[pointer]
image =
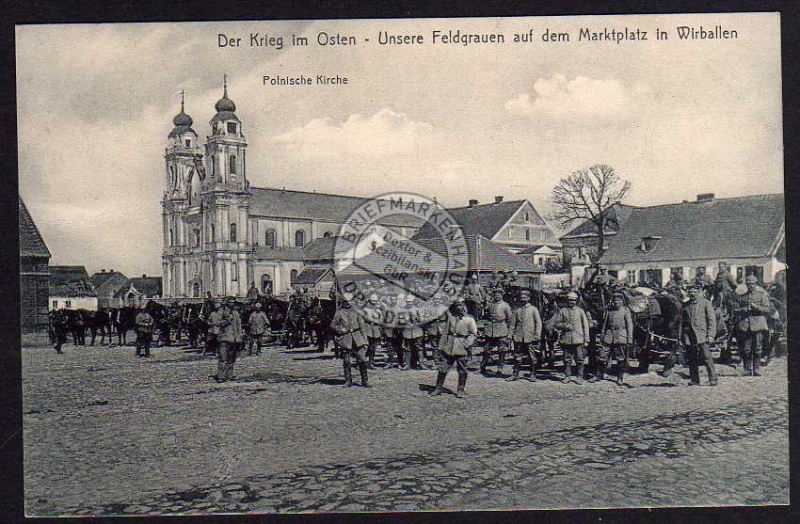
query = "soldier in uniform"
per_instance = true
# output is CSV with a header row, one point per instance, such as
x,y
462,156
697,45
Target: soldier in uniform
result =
x,y
144,331
473,297
724,275
697,331
617,338
498,331
527,329
222,319
412,337
671,307
259,327
394,335
372,322
238,330
571,321
460,335
349,327
436,328
752,310
212,336
60,330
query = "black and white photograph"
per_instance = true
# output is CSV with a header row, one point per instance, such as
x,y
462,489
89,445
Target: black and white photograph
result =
x,y
402,265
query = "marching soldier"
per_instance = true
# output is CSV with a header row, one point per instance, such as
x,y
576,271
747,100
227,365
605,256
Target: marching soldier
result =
x,y
460,336
752,310
372,322
571,321
698,327
498,331
473,297
259,327
349,327
527,328
617,338
144,331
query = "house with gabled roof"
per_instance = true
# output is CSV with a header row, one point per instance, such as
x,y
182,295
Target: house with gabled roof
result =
x,y
138,290
34,258
514,225
106,284
71,288
747,233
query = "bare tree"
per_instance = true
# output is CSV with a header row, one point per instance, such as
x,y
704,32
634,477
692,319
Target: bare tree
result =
x,y
589,194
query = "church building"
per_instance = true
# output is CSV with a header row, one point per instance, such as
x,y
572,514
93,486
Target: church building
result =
x,y
221,234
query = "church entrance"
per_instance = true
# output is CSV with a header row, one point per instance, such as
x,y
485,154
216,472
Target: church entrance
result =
x,y
266,285
196,290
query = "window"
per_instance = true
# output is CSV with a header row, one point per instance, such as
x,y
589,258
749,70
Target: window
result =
x,y
188,143
300,238
231,128
213,166
269,239
234,272
196,289
544,234
676,271
68,304
233,232
527,217
196,238
292,276
746,271
171,240
527,234
213,237
266,285
649,243
327,234
232,165
55,304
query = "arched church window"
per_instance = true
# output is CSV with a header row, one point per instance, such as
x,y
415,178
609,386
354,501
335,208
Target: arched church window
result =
x,y
300,238
232,166
234,272
270,238
213,237
266,285
292,276
196,238
233,232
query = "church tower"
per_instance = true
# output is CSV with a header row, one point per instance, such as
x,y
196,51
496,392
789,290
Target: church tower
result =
x,y
183,157
225,203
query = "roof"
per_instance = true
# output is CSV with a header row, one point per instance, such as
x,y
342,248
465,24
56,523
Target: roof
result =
x,y
482,255
148,286
485,220
324,248
615,218
271,202
535,249
70,281
98,279
726,228
311,275
31,243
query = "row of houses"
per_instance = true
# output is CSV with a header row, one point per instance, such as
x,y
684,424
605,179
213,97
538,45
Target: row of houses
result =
x,y
71,287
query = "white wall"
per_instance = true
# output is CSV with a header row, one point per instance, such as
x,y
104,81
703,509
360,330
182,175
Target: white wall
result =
x,y
88,303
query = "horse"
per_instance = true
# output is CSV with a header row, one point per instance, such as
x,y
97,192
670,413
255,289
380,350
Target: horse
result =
x,y
99,322
320,315
123,320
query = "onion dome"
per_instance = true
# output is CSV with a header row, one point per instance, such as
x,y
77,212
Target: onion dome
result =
x,y
225,103
182,121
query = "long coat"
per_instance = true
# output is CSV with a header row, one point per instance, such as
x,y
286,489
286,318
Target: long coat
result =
x,y
349,327
372,317
500,319
573,324
619,327
460,336
258,323
527,324
698,322
753,308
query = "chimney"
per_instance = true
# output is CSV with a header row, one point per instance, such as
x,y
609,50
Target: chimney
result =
x,y
498,199
705,198
473,202
144,276
102,270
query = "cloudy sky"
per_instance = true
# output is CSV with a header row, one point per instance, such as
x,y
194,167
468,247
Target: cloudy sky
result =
x,y
676,118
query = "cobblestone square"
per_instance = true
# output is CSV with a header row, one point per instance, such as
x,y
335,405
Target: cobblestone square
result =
x,y
106,433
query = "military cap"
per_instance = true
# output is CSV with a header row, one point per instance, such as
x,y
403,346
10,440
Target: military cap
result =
x,y
498,290
410,298
695,285
751,280
347,297
618,295
373,297
525,292
258,305
572,296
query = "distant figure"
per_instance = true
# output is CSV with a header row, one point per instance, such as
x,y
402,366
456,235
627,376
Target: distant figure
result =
x,y
617,338
571,321
527,329
144,332
259,327
752,310
223,320
498,331
698,330
457,341
348,324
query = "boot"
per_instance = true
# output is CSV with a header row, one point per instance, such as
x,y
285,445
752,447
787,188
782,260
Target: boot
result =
x,y
371,364
362,367
756,364
579,374
600,374
515,374
621,375
567,373
439,384
348,375
462,384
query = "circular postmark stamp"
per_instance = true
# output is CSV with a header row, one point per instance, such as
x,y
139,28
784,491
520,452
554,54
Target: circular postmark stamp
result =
x,y
402,257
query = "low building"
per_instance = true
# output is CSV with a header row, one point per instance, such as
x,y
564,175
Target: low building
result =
x,y
106,284
34,259
138,290
70,288
655,243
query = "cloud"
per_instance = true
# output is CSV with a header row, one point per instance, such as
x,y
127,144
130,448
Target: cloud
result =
x,y
384,134
559,97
